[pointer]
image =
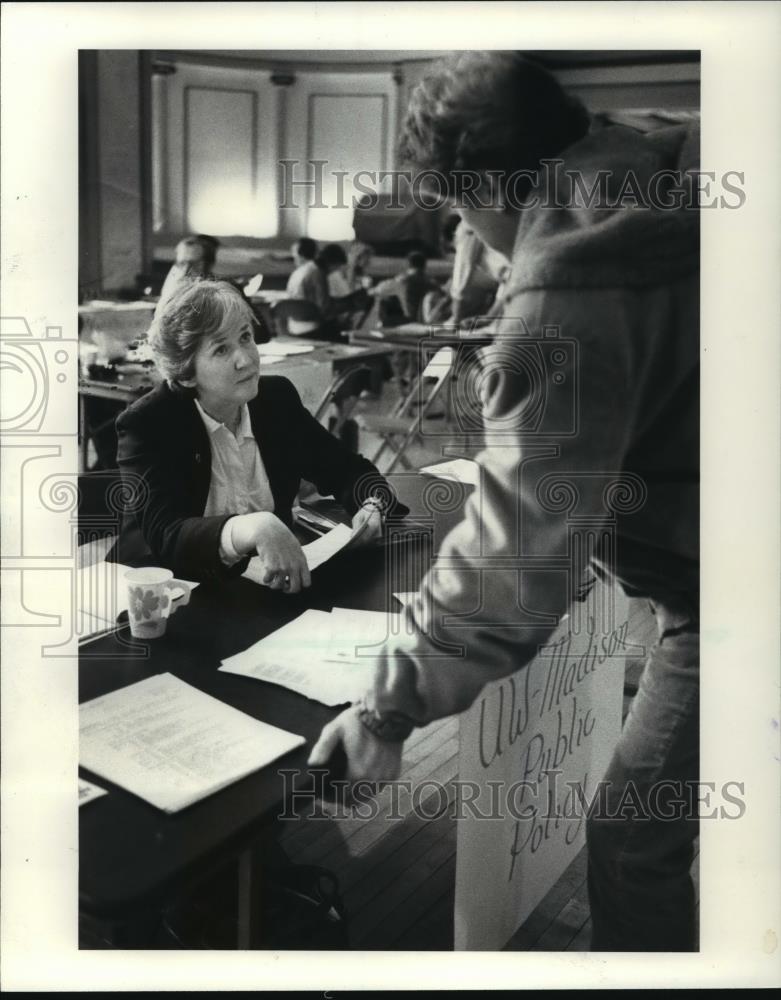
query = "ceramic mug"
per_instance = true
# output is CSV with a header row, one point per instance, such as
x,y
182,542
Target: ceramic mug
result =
x,y
153,596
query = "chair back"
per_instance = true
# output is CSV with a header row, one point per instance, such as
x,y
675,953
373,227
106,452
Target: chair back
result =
x,y
439,366
349,385
295,317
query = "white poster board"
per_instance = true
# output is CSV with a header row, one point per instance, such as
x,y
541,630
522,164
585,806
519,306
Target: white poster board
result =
x,y
536,744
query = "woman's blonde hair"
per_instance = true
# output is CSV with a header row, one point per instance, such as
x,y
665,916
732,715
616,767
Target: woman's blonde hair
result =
x,y
198,310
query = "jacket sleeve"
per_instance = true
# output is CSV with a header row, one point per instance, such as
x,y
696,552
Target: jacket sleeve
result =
x,y
185,544
334,469
507,572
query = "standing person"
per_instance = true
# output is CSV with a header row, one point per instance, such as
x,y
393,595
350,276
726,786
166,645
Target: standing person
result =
x,y
478,274
620,282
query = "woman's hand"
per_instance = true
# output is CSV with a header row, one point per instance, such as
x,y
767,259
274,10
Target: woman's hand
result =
x,y
367,524
281,560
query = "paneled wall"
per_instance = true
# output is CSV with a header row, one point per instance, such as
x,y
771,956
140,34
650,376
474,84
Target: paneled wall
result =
x,y
219,134
214,151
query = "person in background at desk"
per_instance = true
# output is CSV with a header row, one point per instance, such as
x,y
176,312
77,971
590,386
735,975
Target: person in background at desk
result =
x,y
306,280
353,275
216,453
195,258
408,289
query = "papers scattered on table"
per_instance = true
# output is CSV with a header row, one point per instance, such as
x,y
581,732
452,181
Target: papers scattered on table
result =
x,y
173,745
324,656
101,596
459,470
88,792
282,349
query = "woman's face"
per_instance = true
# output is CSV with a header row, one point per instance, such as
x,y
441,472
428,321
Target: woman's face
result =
x,y
227,367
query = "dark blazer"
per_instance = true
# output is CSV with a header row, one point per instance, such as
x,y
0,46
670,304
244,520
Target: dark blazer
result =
x,y
164,455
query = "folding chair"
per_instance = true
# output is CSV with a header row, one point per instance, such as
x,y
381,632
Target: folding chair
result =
x,y
343,393
397,431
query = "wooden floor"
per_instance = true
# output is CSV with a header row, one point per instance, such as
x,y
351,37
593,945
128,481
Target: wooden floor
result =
x,y
398,875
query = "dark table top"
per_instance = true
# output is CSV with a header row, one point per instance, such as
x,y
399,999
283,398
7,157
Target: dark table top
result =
x,y
132,855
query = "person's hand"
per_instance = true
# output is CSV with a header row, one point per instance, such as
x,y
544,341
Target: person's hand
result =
x,y
368,758
367,524
281,560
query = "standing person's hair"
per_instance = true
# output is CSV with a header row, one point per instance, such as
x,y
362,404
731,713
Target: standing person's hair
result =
x,y
480,111
306,248
417,260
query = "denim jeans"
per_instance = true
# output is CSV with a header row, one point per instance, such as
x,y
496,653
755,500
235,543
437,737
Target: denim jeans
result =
x,y
643,823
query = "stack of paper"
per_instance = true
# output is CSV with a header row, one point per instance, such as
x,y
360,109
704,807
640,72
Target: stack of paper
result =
x,y
282,348
324,656
171,744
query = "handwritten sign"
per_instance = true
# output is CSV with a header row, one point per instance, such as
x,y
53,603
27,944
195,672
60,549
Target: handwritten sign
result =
x,y
532,749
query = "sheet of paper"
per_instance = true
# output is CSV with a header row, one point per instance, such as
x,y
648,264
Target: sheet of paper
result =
x,y
321,549
88,792
171,744
406,597
460,470
101,596
271,359
325,657
280,348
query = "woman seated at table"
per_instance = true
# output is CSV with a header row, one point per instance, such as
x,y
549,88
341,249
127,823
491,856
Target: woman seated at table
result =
x,y
216,453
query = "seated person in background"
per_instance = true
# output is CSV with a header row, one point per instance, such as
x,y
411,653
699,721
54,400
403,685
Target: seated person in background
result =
x,y
353,275
306,281
216,453
478,272
195,258
408,289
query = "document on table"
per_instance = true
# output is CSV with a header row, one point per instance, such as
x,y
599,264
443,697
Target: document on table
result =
x,y
173,745
324,656
280,348
459,470
88,792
